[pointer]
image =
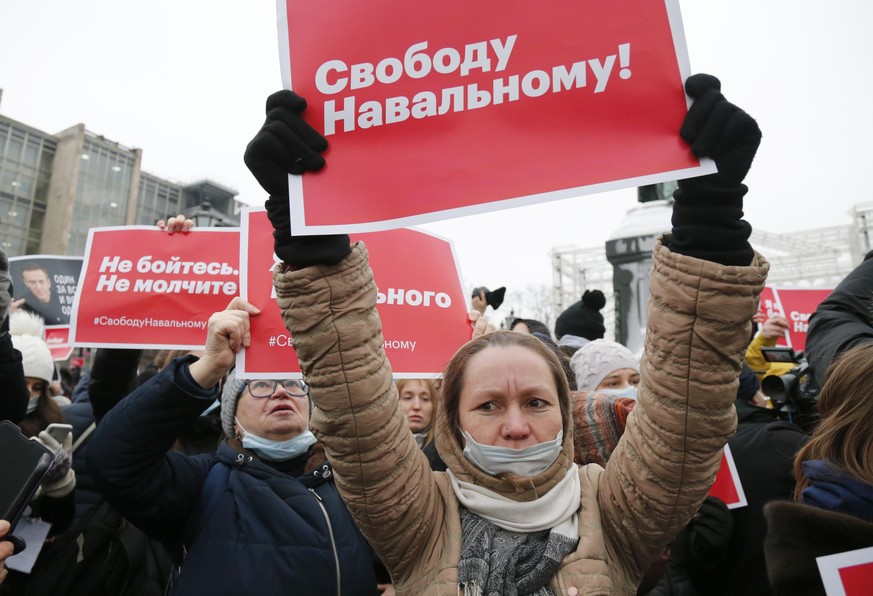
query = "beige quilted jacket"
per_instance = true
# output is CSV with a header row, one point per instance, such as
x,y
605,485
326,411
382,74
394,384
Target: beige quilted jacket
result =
x,y
698,327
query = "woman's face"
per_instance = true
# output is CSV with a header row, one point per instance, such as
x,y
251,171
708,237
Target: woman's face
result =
x,y
509,398
278,417
417,404
35,386
620,379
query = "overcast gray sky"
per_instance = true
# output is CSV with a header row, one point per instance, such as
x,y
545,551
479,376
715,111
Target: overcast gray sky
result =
x,y
186,81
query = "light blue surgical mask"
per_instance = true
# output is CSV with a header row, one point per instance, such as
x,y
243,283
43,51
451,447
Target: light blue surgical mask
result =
x,y
277,450
629,391
525,462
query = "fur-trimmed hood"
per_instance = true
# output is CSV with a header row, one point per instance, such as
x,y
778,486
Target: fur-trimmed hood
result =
x,y
798,534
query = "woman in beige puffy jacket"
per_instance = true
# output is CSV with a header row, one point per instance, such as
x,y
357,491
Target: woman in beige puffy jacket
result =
x,y
513,514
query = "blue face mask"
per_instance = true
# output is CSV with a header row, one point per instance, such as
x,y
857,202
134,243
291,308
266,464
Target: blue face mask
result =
x,y
630,391
277,450
526,462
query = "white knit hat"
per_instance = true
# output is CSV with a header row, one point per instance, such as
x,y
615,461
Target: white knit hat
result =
x,y
596,360
28,337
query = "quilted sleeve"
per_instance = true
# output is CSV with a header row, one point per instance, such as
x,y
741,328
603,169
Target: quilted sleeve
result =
x,y
699,321
383,476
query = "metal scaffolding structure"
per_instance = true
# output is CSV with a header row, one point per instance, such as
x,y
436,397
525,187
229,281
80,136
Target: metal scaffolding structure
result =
x,y
819,257
575,270
812,258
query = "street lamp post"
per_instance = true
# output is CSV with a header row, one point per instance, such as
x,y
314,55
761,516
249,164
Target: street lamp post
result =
x,y
206,216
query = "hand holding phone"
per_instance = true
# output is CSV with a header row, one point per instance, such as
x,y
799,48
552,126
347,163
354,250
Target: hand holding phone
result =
x,y
59,431
23,464
61,479
13,545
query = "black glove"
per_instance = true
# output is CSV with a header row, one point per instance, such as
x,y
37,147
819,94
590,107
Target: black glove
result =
x,y
493,298
5,293
709,533
287,144
303,251
708,211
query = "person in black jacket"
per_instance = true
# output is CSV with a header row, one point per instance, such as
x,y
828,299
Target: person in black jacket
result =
x,y
841,321
262,515
763,450
13,402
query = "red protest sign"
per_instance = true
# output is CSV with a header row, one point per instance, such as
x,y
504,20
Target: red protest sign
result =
x,y
796,305
847,574
727,486
421,302
58,340
471,107
142,287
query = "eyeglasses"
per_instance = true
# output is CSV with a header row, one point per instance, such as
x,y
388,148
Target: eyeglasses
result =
x,y
266,388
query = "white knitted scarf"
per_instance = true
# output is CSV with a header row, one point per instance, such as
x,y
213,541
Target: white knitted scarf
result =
x,y
556,510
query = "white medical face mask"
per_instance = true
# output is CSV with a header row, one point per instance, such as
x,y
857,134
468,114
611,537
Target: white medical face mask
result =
x,y
32,405
629,391
277,450
526,462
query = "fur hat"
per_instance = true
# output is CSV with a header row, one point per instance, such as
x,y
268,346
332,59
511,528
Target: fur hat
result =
x,y
583,318
599,421
28,337
749,384
233,388
594,361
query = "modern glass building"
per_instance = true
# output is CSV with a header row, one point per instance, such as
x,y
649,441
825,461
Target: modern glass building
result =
x,y
26,156
53,188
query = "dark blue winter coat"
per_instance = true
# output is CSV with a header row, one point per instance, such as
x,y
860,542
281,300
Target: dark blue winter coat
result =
x,y
255,529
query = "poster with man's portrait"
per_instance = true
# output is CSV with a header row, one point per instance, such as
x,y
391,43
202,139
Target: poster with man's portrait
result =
x,y
45,285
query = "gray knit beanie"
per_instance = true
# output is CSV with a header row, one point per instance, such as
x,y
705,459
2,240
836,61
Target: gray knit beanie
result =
x,y
230,395
594,361
233,388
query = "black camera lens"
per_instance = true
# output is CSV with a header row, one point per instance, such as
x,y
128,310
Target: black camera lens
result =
x,y
779,388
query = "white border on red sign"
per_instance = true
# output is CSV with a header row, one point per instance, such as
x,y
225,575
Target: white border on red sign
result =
x,y
295,183
74,313
735,477
829,568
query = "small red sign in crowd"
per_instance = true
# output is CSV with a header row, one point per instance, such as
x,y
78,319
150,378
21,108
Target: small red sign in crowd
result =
x,y
420,301
727,486
796,305
847,574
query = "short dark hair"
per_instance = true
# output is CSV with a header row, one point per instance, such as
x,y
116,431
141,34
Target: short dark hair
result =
x,y
34,266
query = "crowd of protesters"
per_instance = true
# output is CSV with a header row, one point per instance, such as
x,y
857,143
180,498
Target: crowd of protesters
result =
x,y
543,461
